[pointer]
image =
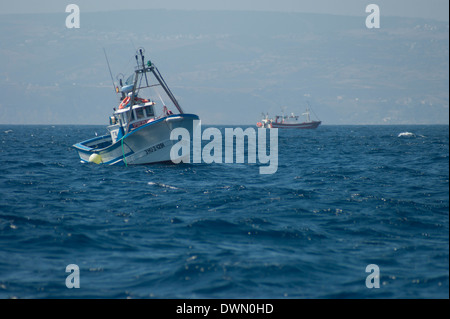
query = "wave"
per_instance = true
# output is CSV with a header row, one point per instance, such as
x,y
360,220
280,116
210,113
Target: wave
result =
x,y
406,134
409,134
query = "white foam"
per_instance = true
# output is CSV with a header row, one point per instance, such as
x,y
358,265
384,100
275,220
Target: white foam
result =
x,y
406,134
162,185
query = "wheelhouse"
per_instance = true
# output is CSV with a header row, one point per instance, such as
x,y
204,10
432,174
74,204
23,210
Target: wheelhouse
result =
x,y
128,119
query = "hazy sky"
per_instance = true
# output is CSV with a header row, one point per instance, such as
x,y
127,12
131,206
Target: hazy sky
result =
x,y
434,9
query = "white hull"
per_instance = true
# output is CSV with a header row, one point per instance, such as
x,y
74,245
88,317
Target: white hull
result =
x,y
149,143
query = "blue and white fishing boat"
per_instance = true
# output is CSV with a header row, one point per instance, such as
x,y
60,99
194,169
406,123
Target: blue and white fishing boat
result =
x,y
139,130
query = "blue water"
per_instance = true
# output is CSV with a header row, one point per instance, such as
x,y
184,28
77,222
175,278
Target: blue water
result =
x,y
343,197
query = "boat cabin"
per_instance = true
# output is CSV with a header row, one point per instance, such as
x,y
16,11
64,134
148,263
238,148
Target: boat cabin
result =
x,y
126,120
287,119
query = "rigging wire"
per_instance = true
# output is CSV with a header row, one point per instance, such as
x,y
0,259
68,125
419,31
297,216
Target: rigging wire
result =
x,y
110,73
312,111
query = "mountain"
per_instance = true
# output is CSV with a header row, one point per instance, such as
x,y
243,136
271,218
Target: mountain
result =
x,y
228,66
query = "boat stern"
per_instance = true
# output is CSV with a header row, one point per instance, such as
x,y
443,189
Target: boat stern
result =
x,y
89,148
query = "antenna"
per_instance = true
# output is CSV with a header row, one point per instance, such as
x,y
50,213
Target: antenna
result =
x,y
110,73
143,65
283,109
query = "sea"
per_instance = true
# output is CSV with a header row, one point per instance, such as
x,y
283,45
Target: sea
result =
x,y
352,212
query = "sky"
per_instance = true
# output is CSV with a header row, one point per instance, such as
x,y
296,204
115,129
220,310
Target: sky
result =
x,y
349,73
429,9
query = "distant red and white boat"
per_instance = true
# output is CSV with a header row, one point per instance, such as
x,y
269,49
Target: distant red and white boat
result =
x,y
289,121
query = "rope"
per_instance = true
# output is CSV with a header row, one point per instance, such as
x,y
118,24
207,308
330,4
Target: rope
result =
x,y
123,153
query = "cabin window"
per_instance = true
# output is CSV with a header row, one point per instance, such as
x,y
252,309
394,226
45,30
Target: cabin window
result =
x,y
149,111
132,116
140,113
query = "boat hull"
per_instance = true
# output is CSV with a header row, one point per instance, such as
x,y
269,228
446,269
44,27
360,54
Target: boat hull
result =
x,y
149,143
304,126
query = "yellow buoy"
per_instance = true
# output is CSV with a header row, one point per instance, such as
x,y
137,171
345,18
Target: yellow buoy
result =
x,y
95,158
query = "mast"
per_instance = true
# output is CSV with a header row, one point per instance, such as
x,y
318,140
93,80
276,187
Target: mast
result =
x,y
308,119
136,76
163,83
152,68
142,70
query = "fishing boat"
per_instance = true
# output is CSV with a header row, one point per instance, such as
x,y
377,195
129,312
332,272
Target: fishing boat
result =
x,y
139,128
288,121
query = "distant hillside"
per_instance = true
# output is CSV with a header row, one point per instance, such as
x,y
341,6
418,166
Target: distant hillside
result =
x,y
228,67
